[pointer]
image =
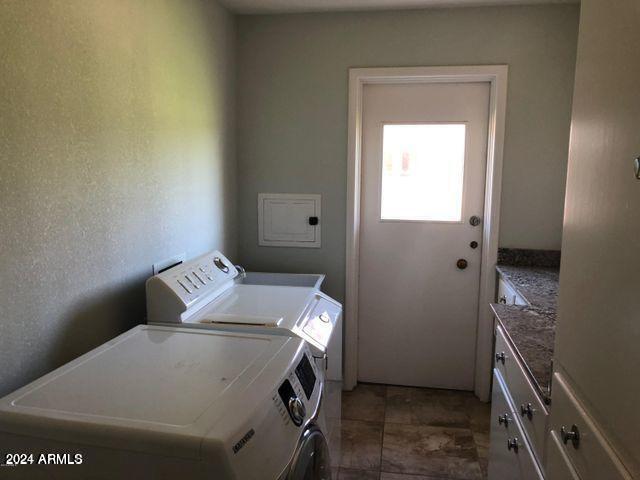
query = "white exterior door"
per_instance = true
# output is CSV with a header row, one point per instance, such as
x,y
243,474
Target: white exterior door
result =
x,y
424,152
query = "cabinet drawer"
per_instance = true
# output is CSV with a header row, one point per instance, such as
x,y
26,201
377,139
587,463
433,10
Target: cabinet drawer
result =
x,y
558,466
528,404
506,295
592,456
518,460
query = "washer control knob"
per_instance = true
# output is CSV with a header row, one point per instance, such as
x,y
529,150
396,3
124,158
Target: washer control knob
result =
x,y
297,410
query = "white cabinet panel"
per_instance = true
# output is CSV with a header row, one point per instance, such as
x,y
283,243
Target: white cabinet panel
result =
x,y
558,466
519,300
598,323
289,220
506,295
590,454
529,406
510,455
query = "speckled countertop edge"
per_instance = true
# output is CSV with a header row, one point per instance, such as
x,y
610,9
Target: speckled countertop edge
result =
x,y
531,329
532,339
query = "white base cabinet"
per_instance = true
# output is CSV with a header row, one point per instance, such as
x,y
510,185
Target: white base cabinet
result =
x,y
577,446
519,418
530,408
510,453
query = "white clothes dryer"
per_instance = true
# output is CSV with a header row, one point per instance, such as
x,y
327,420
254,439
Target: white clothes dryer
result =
x,y
210,293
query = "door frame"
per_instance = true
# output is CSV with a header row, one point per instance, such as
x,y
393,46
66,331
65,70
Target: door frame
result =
x,y
496,76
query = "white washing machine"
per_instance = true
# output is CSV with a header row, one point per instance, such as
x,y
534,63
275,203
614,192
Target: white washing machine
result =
x,y
165,403
209,292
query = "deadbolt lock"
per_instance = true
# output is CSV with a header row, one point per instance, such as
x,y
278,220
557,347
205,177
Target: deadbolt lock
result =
x,y
474,221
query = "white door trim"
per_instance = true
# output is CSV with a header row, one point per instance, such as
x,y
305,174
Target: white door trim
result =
x,y
496,75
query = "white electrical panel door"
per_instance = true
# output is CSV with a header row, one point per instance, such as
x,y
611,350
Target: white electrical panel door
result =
x,y
289,220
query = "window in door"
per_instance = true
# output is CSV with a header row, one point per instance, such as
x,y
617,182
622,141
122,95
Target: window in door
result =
x,y
423,172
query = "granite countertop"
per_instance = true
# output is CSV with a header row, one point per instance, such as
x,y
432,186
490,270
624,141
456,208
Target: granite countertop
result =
x,y
531,328
537,285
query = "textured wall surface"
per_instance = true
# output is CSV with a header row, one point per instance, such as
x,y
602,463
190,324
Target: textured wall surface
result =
x,y
292,111
116,151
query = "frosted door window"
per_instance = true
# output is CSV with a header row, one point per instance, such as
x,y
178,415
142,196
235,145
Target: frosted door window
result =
x,y
423,172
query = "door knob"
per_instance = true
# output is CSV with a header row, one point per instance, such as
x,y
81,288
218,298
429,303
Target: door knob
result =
x,y
461,263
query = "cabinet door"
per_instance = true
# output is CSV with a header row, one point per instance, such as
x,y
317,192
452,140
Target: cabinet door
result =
x,y
515,462
590,453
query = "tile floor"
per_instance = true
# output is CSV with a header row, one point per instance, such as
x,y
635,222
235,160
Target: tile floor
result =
x,y
402,433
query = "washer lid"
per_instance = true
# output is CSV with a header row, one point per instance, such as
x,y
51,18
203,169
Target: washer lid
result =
x,y
166,386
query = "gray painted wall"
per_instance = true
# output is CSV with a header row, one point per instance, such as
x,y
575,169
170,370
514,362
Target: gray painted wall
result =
x,y
116,151
292,112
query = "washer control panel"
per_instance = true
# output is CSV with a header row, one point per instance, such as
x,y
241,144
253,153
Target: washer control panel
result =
x,y
292,403
295,391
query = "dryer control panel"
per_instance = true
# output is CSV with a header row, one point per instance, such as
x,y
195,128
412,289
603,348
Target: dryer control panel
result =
x,y
172,293
317,324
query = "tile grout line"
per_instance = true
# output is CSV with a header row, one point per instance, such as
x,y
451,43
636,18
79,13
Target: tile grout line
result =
x,y
384,422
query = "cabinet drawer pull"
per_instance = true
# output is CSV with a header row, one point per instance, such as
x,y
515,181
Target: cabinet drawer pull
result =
x,y
504,419
526,410
572,435
512,444
500,357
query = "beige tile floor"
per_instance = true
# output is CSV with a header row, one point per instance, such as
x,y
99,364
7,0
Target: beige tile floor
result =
x,y
402,433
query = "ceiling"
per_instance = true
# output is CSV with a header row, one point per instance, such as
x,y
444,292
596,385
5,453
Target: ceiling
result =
x,y
291,6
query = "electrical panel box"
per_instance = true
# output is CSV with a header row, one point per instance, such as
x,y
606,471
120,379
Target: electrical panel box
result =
x,y
289,220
